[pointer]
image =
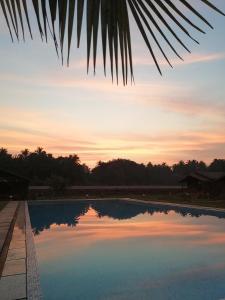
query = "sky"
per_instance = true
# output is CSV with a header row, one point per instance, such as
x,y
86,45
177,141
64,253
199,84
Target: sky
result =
x,y
179,115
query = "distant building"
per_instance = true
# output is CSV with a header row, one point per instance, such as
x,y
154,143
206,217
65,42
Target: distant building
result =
x,y
12,185
212,183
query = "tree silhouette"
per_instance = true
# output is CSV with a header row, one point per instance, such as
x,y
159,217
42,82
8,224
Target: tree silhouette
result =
x,y
118,172
5,159
217,165
24,154
190,166
43,168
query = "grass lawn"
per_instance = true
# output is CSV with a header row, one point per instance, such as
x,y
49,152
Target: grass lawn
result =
x,y
184,199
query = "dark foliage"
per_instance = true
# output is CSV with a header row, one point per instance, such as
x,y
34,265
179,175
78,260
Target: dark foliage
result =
x,y
190,166
41,168
119,172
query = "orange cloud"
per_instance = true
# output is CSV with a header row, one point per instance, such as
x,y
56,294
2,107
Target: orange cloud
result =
x,y
169,147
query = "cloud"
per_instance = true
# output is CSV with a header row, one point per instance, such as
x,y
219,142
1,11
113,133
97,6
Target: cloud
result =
x,y
166,96
187,105
170,146
188,59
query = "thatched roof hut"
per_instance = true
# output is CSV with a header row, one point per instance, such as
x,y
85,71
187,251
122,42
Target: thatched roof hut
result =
x,y
12,185
211,182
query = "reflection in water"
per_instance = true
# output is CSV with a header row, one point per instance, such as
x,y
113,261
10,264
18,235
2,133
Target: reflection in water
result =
x,y
56,214
118,250
69,213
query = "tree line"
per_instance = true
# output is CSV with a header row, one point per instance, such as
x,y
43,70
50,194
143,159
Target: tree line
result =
x,y
42,168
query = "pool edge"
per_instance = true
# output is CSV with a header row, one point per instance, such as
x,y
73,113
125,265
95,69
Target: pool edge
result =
x,y
33,278
206,208
133,200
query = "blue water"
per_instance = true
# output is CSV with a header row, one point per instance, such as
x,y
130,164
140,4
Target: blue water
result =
x,y
117,250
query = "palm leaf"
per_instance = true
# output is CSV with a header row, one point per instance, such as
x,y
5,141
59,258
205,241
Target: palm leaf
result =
x,y
152,17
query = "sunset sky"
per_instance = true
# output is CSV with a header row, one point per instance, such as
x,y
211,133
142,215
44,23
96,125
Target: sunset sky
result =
x,y
180,115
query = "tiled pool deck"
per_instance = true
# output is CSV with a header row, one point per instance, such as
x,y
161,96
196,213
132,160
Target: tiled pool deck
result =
x,y
18,268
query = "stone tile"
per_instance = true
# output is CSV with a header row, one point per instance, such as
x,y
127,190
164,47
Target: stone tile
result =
x,y
16,254
13,287
16,244
18,236
14,267
3,234
3,227
6,215
3,231
13,280
21,217
4,223
7,219
20,228
1,244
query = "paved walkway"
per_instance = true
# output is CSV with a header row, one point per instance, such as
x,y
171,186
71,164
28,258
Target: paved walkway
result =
x,y
6,217
13,279
19,278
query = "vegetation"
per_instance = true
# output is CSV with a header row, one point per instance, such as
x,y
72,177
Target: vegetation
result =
x,y
42,168
160,24
184,198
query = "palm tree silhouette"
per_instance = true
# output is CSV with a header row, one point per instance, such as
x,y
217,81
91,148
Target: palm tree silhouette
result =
x,y
112,18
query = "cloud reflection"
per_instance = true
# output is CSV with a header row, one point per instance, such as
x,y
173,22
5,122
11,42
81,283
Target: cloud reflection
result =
x,y
83,223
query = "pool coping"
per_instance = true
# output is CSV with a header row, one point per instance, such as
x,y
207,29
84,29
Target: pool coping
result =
x,y
131,200
206,208
33,278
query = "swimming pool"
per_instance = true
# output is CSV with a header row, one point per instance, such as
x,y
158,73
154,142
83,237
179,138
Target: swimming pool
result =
x,y
121,250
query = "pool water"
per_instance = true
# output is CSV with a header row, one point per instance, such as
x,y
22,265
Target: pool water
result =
x,y
120,250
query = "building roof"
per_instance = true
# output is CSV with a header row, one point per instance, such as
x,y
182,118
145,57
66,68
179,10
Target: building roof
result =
x,y
7,176
213,175
205,176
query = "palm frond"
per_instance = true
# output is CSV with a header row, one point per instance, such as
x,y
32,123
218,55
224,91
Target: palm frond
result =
x,y
110,19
